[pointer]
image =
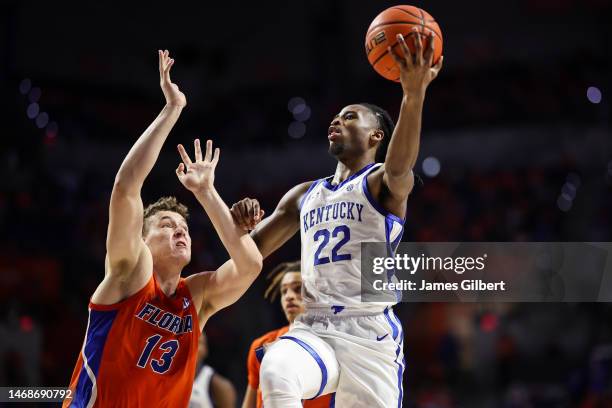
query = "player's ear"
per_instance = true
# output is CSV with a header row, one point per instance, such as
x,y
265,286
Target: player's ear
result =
x,y
376,136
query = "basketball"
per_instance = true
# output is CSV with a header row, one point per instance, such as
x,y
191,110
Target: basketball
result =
x,y
383,33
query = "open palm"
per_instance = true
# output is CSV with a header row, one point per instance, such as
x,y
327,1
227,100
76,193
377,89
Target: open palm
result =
x,y
200,174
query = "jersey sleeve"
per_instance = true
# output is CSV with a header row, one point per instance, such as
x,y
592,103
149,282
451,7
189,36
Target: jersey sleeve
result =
x,y
253,365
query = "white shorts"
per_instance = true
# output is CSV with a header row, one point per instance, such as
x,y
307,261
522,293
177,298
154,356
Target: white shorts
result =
x,y
360,358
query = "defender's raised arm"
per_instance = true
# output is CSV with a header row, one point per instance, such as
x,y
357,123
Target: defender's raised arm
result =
x,y
124,244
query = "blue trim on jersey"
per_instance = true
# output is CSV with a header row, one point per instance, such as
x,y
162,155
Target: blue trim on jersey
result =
x,y
100,323
392,319
400,377
327,183
259,353
375,203
332,401
391,248
391,323
312,186
317,358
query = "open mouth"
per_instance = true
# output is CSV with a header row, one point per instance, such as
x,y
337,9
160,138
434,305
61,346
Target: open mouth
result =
x,y
333,133
181,244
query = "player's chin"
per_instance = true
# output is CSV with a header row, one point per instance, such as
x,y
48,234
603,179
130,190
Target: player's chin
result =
x,y
335,149
182,256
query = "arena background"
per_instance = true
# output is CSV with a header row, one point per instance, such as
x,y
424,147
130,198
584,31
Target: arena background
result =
x,y
515,147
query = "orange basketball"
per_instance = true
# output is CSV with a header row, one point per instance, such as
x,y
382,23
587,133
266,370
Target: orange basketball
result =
x,y
383,32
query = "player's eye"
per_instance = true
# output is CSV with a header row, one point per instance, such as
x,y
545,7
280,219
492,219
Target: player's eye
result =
x,y
349,116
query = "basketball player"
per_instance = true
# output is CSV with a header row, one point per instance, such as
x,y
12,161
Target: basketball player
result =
x,y
341,344
141,342
286,281
210,389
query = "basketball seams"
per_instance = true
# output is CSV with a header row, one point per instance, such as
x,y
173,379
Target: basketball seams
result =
x,y
403,22
405,11
416,20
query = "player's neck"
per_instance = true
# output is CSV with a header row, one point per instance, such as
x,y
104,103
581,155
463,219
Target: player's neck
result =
x,y
167,279
347,168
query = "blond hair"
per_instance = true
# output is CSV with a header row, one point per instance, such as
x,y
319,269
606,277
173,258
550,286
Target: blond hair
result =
x,y
163,204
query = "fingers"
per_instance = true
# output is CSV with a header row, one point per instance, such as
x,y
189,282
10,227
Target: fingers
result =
x,y
165,63
238,217
208,155
436,68
429,51
418,46
247,213
180,170
198,150
161,63
398,60
184,156
408,60
215,158
255,212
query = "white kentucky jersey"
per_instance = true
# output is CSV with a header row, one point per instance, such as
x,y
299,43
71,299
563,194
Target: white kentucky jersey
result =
x,y
334,221
200,393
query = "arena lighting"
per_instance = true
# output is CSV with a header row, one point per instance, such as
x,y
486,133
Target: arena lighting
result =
x,y
302,113
24,86
569,189
593,94
294,103
296,130
33,110
564,203
431,166
41,119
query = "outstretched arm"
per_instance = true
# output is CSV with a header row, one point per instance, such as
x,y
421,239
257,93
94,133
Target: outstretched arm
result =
x,y
224,286
416,73
124,243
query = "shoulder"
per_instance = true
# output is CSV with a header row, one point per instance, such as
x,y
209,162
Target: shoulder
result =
x,y
290,203
299,190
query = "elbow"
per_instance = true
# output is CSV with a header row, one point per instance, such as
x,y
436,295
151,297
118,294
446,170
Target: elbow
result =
x,y
125,184
399,172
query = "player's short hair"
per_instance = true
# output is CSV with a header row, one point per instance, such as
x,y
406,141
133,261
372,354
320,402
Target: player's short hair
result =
x,y
276,276
163,204
386,124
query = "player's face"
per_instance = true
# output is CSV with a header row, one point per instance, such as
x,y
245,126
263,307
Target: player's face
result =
x,y
350,133
291,295
168,237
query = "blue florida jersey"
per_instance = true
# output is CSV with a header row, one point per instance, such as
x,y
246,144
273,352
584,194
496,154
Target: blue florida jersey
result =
x,y
334,221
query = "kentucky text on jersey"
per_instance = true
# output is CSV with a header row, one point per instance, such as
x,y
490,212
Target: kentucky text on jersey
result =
x,y
338,211
165,320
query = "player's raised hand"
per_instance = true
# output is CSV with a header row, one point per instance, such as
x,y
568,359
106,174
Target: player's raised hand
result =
x,y
198,175
174,97
416,70
247,213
